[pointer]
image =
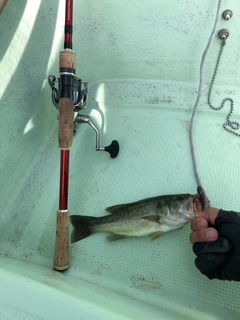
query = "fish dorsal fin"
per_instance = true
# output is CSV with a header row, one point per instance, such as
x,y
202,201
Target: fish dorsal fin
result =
x,y
124,206
117,207
153,218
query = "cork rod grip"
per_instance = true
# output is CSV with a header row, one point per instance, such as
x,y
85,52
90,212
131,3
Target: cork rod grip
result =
x,y
65,124
2,5
67,60
67,64
61,254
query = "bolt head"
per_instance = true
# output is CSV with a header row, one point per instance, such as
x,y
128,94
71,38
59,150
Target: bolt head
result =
x,y
227,14
223,34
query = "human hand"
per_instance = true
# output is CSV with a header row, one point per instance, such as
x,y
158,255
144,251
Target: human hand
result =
x,y
217,247
200,226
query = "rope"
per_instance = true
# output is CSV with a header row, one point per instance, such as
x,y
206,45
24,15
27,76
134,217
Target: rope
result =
x,y
192,125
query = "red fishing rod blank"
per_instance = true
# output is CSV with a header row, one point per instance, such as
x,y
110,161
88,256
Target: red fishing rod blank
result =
x,y
64,177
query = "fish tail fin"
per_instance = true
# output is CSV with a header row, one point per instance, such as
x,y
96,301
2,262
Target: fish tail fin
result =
x,y
82,227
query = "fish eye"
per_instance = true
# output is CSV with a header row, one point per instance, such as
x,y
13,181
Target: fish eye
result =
x,y
181,198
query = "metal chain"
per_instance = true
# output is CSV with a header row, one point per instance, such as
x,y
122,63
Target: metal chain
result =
x,y
234,125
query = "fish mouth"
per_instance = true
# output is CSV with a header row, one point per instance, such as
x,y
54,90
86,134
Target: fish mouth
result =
x,y
194,205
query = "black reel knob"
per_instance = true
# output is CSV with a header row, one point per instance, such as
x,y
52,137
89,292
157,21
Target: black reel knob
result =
x,y
113,149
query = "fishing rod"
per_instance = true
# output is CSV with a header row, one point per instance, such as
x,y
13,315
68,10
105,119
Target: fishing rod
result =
x,y
69,98
67,67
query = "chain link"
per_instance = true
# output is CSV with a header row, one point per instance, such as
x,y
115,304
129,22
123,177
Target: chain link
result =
x,y
234,125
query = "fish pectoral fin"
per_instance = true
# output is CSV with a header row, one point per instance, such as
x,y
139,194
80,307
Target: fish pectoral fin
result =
x,y
156,235
115,236
154,218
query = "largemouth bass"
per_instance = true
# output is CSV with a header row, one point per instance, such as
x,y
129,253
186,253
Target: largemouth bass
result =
x,y
151,216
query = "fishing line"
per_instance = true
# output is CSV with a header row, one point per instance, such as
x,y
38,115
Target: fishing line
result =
x,y
192,124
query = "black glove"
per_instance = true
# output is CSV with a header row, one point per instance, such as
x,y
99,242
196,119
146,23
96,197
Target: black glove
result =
x,y
220,259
